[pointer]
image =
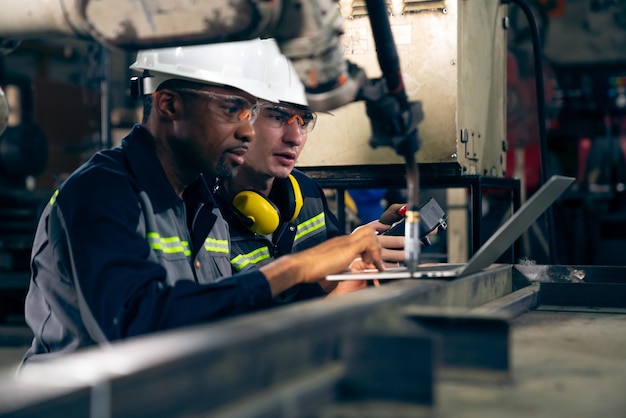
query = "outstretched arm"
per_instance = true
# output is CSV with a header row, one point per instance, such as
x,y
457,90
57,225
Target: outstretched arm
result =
x,y
330,257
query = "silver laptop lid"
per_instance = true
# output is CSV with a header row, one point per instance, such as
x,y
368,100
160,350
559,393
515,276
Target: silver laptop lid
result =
x,y
493,248
519,222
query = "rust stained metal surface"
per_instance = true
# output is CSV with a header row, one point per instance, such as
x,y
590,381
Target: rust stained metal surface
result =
x,y
137,23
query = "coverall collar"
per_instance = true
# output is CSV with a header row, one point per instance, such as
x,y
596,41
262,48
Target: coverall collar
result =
x,y
147,169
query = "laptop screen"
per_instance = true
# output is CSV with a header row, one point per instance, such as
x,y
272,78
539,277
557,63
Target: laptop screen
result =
x,y
493,248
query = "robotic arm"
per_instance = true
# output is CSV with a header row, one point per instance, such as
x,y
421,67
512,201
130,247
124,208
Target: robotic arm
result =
x,y
307,31
330,82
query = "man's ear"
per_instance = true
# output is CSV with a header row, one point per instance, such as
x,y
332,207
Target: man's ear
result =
x,y
167,104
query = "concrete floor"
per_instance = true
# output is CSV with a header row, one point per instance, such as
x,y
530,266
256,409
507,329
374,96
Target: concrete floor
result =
x,y
566,364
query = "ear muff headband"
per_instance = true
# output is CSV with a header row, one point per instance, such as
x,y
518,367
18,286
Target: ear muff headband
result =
x,y
287,195
297,198
262,213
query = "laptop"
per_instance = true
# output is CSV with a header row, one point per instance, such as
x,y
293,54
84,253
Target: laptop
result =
x,y
489,252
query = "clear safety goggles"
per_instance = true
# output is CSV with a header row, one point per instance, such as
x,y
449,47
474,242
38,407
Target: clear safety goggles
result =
x,y
231,107
279,116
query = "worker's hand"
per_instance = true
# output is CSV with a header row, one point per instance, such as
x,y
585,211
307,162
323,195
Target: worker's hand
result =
x,y
358,265
349,286
337,254
330,257
391,215
392,245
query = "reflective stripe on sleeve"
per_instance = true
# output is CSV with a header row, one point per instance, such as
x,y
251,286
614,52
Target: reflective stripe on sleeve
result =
x,y
253,257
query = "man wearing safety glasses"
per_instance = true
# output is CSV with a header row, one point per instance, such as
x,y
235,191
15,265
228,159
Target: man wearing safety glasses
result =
x,y
272,208
133,242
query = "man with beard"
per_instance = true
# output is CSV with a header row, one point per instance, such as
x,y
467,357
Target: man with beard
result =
x,y
133,242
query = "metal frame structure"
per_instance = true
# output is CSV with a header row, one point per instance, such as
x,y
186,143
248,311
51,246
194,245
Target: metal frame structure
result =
x,y
290,361
431,176
381,351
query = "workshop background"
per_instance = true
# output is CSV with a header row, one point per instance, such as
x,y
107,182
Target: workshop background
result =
x,y
70,98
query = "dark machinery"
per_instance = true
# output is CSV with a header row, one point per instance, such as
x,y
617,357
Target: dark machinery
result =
x,y
23,153
383,352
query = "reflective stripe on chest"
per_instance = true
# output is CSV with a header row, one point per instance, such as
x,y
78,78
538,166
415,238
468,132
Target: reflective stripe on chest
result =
x,y
310,226
213,245
168,245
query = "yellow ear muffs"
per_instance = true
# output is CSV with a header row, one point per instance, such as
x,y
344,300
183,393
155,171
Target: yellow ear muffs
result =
x,y
263,215
287,195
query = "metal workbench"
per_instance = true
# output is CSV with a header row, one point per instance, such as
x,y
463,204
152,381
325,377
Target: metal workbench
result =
x,y
512,340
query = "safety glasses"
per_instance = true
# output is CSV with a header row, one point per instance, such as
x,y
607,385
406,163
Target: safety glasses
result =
x,y
279,117
231,107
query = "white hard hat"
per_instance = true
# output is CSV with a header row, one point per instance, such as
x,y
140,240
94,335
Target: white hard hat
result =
x,y
282,78
240,64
